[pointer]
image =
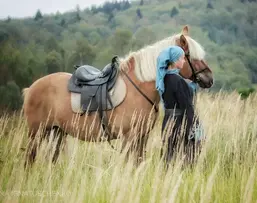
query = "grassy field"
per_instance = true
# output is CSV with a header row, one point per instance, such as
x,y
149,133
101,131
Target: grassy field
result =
x,y
89,172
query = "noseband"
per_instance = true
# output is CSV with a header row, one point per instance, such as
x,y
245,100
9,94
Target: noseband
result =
x,y
195,73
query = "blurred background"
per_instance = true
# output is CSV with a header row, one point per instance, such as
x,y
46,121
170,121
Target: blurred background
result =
x,y
42,37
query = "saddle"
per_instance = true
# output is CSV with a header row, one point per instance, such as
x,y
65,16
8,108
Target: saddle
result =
x,y
94,86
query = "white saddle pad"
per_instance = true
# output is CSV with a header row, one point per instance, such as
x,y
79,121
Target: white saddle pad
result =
x,y
117,95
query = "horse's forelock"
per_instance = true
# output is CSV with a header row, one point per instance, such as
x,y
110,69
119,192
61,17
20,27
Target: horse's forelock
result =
x,y
196,50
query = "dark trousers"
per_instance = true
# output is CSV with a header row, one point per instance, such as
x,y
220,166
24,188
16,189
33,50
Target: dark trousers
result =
x,y
175,133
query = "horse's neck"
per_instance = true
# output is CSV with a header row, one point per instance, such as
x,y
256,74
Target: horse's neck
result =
x,y
150,91
147,88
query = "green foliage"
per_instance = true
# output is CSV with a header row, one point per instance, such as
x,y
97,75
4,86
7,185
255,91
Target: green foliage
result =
x,y
63,22
209,5
109,7
9,61
142,37
38,15
3,35
174,12
83,53
53,62
51,45
139,14
10,96
36,46
121,41
246,92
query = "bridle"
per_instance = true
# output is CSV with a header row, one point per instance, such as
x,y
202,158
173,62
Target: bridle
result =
x,y
195,77
140,91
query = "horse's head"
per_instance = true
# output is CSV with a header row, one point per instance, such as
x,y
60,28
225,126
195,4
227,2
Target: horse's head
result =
x,y
143,62
195,68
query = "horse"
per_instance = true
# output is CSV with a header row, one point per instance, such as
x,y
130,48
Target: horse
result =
x,y
47,102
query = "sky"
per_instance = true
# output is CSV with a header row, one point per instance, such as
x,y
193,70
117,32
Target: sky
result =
x,y
28,8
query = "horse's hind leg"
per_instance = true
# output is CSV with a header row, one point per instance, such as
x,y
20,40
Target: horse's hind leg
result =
x,y
59,137
31,151
35,141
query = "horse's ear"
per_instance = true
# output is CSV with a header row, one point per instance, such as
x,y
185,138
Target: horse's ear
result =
x,y
131,64
183,43
185,30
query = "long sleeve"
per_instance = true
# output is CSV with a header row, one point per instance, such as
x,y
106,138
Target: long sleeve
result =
x,y
179,95
184,97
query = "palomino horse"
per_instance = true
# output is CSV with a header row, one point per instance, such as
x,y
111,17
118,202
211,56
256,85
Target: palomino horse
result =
x,y
47,102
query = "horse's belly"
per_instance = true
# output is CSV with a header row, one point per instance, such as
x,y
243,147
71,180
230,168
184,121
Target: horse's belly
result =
x,y
94,135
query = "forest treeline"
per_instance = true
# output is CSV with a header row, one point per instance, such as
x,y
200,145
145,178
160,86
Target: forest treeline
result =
x,y
47,43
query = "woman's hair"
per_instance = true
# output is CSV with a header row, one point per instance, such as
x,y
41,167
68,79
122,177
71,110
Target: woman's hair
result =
x,y
170,64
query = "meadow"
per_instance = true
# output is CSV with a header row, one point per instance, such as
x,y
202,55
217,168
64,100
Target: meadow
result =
x,y
225,170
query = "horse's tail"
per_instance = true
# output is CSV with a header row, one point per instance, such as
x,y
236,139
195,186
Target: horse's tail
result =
x,y
25,92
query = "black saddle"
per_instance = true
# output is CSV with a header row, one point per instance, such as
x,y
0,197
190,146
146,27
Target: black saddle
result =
x,y
94,85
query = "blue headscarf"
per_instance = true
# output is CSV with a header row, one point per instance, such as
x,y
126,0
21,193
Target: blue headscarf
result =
x,y
168,55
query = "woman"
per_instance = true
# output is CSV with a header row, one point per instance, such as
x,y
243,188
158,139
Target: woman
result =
x,y
177,98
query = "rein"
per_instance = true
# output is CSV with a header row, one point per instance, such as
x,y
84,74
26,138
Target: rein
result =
x,y
140,91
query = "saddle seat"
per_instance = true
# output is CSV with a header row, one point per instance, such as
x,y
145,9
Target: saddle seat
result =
x,y
89,73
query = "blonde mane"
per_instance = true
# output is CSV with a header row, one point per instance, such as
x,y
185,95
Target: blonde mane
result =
x,y
146,58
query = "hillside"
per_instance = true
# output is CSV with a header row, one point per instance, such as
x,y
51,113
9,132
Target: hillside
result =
x,y
43,44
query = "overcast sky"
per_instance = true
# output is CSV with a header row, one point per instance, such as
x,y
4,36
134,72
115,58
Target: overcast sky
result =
x,y
25,8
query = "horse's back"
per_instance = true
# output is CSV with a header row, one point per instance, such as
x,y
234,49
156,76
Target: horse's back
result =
x,y
44,98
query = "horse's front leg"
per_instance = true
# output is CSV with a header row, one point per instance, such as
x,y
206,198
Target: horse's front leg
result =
x,y
135,148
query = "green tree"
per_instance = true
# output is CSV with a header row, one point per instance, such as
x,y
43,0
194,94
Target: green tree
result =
x,y
83,54
38,15
250,61
94,38
8,19
53,62
63,22
111,16
9,61
209,5
10,97
51,45
78,18
121,41
174,12
143,36
139,14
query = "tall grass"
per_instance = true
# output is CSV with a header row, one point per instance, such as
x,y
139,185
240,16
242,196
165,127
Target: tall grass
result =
x,y
90,172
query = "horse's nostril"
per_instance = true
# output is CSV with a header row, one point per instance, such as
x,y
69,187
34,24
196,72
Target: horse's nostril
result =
x,y
210,83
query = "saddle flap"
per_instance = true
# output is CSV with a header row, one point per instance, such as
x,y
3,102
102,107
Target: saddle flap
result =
x,y
117,95
94,86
